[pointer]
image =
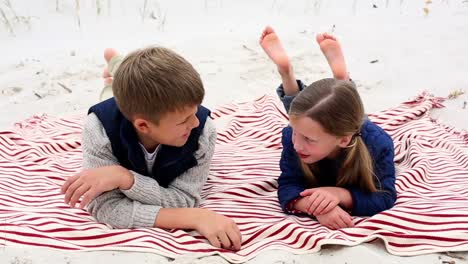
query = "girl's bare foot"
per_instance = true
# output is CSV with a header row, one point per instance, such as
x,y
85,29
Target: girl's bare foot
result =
x,y
272,46
274,49
331,48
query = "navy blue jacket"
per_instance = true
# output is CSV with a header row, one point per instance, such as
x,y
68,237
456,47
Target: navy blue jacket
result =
x,y
170,162
380,145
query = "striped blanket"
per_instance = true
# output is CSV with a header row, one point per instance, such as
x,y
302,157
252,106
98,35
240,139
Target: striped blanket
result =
x,y
431,213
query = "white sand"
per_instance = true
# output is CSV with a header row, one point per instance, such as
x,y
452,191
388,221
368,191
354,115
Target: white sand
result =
x,y
414,52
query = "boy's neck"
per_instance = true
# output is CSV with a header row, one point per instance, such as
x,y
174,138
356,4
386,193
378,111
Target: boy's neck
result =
x,y
149,144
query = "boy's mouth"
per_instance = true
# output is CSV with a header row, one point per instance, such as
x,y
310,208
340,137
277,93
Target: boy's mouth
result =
x,y
302,156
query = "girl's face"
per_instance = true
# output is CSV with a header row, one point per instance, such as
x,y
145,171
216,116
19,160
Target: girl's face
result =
x,y
312,143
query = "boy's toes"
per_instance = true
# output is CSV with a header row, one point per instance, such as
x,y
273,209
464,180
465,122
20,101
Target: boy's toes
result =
x,y
328,36
320,37
108,81
106,73
109,53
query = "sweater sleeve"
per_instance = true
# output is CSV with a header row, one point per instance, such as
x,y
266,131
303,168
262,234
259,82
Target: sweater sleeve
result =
x,y
287,99
291,180
366,203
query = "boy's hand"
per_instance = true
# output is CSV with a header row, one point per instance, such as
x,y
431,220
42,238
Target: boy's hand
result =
x,y
320,200
335,219
220,230
91,183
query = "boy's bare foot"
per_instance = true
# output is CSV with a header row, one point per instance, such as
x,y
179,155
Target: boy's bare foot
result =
x,y
331,48
109,53
272,46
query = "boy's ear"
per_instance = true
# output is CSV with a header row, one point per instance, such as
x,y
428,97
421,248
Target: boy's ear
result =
x,y
141,125
344,141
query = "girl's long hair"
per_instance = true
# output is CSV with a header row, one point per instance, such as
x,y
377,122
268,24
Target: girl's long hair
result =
x,y
337,107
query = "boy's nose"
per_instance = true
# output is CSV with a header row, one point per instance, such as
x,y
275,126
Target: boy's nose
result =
x,y
195,122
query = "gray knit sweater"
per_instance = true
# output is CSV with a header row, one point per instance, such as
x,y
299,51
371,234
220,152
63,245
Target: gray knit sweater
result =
x,y
139,206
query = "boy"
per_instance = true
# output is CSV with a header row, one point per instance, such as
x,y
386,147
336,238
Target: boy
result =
x,y
147,150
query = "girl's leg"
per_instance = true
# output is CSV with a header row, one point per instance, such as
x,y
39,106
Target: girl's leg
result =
x,y
272,46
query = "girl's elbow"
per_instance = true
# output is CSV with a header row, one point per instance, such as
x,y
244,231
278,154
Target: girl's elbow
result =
x,y
390,201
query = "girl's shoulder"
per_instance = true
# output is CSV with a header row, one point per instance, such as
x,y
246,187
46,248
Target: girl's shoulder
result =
x,y
287,136
375,138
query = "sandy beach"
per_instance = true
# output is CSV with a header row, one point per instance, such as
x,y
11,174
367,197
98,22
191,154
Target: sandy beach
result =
x,y
52,61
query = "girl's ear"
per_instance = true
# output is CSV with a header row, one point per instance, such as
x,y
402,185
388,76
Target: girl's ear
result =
x,y
344,141
141,125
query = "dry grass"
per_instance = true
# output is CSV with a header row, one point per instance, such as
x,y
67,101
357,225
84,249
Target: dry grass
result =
x,y
455,94
8,15
6,21
77,9
153,10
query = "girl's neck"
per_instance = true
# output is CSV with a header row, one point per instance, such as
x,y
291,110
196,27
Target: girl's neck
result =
x,y
335,153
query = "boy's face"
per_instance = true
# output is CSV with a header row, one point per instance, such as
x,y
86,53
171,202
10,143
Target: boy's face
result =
x,y
173,129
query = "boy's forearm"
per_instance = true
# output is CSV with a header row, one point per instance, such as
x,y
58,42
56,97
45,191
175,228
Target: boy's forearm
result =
x,y
183,218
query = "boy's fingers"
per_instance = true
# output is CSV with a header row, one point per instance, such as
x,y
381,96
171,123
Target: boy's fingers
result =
x,y
214,241
235,238
71,190
223,238
77,194
87,197
68,182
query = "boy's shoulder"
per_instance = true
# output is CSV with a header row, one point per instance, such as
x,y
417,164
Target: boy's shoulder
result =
x,y
107,108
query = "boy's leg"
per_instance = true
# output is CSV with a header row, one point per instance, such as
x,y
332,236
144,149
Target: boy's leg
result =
x,y
272,46
113,60
331,48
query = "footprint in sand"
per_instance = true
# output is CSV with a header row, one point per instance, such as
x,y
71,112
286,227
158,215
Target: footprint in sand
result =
x,y
9,91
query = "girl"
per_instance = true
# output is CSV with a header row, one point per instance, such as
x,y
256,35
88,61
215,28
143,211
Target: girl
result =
x,y
335,162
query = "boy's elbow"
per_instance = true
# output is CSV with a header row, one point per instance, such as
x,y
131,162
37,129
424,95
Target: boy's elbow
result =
x,y
109,208
193,201
111,219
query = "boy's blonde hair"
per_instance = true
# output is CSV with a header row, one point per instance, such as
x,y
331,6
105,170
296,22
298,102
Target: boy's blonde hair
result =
x,y
154,81
337,107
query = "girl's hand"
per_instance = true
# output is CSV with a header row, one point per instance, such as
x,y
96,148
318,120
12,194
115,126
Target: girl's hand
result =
x,y
335,219
320,200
